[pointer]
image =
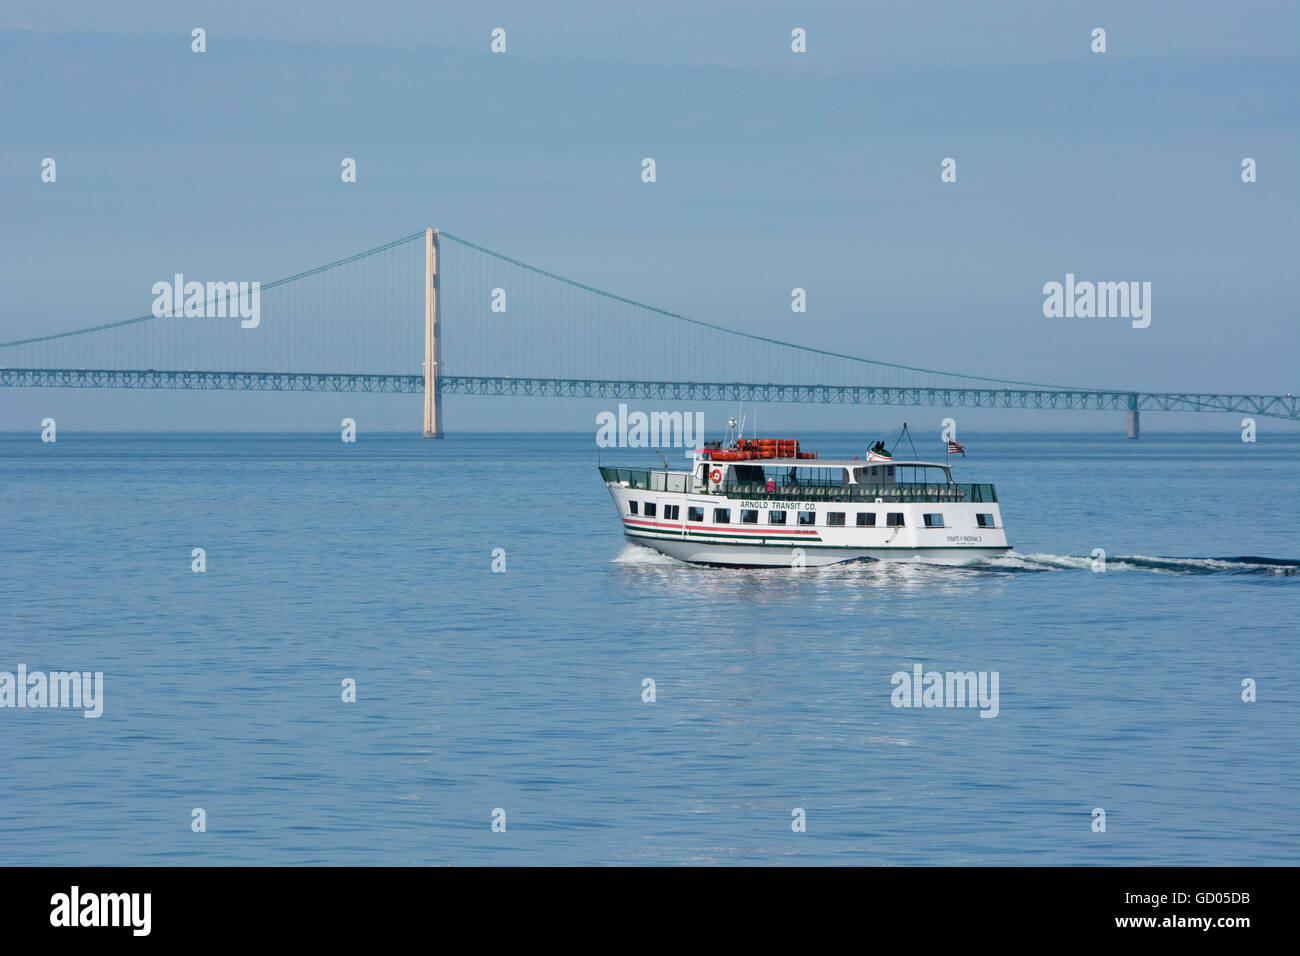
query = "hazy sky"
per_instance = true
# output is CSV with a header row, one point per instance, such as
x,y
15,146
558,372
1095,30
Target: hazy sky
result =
x,y
775,170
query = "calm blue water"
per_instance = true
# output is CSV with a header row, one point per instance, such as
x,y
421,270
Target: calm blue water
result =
x,y
522,690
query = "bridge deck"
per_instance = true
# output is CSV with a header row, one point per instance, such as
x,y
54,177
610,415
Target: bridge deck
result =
x,y
1271,406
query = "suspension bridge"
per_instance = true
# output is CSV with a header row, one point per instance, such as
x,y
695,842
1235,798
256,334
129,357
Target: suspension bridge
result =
x,y
493,325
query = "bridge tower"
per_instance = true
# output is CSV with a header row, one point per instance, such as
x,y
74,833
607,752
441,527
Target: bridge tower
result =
x,y
432,347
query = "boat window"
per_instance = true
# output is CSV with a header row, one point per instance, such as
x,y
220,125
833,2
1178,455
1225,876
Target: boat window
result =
x,y
649,509
866,519
835,517
748,516
776,517
807,517
933,520
631,507
694,514
722,516
984,521
672,512
890,471
894,519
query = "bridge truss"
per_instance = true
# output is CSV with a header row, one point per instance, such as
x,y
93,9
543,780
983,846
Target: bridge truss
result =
x,y
1269,406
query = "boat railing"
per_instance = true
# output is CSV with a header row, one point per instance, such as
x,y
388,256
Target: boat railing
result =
x,y
675,481
895,491
679,482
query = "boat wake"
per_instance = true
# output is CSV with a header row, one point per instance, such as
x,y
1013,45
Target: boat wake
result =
x,y
636,554
1014,562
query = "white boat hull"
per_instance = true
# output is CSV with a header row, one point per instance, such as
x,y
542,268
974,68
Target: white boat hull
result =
x,y
787,556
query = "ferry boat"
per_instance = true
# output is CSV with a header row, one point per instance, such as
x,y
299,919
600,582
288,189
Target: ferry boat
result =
x,y
758,503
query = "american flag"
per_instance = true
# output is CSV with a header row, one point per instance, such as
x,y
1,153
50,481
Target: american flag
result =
x,y
955,448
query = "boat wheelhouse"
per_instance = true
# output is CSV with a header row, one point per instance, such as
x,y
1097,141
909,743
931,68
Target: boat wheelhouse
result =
x,y
768,504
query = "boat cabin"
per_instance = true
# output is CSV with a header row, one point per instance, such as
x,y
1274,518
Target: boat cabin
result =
x,y
822,472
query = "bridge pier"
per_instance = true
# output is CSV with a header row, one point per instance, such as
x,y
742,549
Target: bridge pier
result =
x,y
432,347
1134,418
